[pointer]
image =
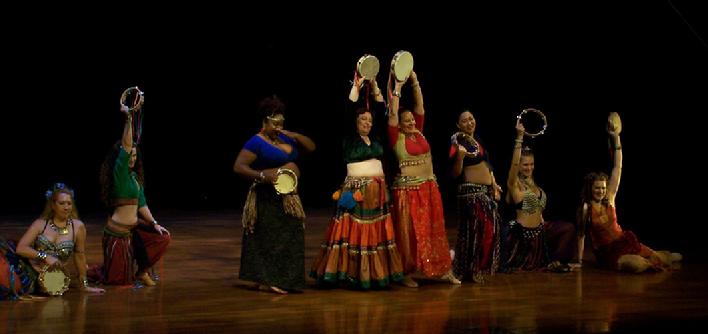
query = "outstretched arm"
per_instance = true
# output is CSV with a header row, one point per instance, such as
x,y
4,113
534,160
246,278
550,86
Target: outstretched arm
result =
x,y
147,216
80,258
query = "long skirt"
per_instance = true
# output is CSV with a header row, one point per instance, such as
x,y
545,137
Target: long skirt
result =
x,y
360,247
274,252
477,250
523,248
420,229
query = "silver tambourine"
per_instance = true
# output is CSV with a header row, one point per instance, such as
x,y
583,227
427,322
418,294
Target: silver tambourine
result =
x,y
614,123
368,67
285,182
132,98
461,138
402,65
53,280
542,129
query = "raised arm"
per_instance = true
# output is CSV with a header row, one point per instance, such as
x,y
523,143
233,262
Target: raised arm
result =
x,y
513,179
613,184
418,107
395,98
127,140
358,83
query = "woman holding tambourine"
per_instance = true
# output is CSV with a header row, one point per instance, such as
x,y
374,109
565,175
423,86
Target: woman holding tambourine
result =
x,y
273,245
360,248
529,241
132,236
418,213
48,245
614,248
477,248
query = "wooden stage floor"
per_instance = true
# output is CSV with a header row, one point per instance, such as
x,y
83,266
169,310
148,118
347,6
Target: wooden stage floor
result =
x,y
199,293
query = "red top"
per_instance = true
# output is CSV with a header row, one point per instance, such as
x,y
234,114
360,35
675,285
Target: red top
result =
x,y
413,147
604,227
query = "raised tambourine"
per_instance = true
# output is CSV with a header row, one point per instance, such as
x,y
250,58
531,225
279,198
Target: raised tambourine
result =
x,y
286,181
53,280
536,127
402,65
132,98
368,67
614,123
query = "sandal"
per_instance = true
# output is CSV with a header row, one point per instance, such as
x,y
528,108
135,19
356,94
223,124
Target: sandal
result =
x,y
557,267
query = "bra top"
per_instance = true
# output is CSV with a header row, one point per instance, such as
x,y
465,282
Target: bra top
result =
x,y
531,203
61,250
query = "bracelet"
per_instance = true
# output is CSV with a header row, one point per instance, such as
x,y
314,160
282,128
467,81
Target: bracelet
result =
x,y
41,255
261,177
154,222
84,282
618,148
519,140
396,94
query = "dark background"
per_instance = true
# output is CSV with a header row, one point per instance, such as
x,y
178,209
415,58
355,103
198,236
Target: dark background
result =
x,y
204,71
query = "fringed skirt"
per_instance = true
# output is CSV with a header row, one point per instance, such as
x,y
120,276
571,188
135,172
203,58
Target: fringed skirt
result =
x,y
360,247
126,254
274,252
477,249
419,223
523,248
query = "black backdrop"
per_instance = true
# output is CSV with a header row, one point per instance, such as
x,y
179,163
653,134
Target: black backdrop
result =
x,y
204,76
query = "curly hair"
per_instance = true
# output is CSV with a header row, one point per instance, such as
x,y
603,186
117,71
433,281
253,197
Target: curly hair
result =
x,y
270,106
586,193
106,174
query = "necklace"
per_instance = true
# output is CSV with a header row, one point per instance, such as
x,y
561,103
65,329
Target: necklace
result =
x,y
61,230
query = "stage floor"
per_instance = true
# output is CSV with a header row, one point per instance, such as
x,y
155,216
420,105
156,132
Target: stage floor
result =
x,y
199,293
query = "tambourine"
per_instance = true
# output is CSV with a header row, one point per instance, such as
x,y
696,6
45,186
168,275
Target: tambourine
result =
x,y
132,98
368,67
285,182
53,280
467,141
402,65
614,123
542,118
